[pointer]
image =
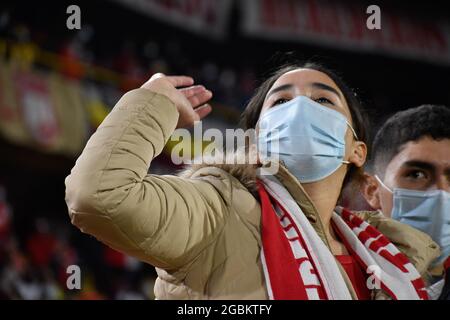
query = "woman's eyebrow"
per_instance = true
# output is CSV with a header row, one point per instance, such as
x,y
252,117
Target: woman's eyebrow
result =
x,y
323,86
280,88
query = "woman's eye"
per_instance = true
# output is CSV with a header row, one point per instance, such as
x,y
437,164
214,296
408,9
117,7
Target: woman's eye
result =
x,y
323,101
279,101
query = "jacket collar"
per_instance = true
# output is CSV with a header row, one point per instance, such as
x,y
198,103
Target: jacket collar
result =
x,y
247,175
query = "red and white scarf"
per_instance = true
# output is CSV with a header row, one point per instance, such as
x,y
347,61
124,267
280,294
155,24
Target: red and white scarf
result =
x,y
298,265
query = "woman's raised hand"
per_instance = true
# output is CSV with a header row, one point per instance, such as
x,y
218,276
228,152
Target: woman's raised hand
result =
x,y
190,99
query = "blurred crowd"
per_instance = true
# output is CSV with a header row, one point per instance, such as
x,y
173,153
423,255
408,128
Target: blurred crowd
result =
x,y
128,65
36,267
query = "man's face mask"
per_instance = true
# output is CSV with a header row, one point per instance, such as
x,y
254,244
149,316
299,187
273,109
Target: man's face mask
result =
x,y
308,137
428,211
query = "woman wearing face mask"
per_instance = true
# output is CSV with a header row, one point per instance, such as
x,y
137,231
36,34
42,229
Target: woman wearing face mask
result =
x,y
229,231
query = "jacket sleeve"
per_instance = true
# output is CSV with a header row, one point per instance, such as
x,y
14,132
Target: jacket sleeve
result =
x,y
163,220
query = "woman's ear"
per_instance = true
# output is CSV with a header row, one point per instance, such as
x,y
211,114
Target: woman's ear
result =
x,y
358,154
370,191
253,154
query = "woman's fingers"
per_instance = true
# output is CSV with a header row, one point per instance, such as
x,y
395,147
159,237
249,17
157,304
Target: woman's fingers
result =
x,y
203,110
190,100
176,81
180,81
200,98
191,91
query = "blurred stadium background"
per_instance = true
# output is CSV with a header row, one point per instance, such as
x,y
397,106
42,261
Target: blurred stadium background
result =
x,y
56,86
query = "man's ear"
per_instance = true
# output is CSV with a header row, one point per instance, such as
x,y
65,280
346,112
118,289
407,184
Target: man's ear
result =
x,y
371,192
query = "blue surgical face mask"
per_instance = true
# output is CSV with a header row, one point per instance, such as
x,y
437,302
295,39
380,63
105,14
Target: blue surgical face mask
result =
x,y
308,137
428,211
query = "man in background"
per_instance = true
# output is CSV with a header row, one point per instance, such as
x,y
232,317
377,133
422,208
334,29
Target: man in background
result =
x,y
410,181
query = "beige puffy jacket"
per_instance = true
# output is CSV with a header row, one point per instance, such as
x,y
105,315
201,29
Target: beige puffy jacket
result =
x,y
201,230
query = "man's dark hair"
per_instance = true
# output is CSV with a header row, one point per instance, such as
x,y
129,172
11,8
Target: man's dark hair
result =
x,y
405,126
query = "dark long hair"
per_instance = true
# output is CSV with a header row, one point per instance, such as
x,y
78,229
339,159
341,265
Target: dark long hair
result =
x,y
360,122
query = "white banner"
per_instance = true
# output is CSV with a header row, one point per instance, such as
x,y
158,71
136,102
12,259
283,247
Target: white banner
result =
x,y
208,17
340,24
38,110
